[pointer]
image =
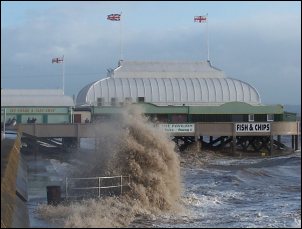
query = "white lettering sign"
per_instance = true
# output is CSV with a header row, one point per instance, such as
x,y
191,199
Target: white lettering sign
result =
x,y
252,127
177,127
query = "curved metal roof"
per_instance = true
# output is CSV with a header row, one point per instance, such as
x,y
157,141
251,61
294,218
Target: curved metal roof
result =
x,y
34,101
37,92
165,69
170,91
35,97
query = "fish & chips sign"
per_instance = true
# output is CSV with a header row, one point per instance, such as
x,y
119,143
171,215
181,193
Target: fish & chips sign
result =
x,y
253,127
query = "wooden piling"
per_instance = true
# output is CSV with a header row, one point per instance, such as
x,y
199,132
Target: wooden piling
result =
x,y
296,143
271,144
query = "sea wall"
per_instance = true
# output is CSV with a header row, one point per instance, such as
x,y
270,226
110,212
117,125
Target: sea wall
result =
x,y
13,207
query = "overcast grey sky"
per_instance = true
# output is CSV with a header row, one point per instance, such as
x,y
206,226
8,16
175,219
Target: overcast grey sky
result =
x,y
256,42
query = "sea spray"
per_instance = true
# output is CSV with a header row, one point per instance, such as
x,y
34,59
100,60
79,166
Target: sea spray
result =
x,y
128,145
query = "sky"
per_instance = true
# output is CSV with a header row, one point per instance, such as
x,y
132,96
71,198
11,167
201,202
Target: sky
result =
x,y
256,42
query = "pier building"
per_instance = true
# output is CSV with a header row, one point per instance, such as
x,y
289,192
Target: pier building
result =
x,y
194,101
176,94
179,92
36,106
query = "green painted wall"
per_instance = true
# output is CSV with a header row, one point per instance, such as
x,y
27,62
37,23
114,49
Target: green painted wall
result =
x,y
36,110
42,114
225,112
288,116
227,108
237,108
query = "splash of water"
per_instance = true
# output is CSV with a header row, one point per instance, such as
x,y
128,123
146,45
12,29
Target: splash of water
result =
x,y
131,146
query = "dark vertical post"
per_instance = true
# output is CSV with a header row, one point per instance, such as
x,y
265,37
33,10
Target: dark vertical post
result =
x,y
53,195
271,144
78,143
278,140
197,142
234,140
211,139
36,147
78,138
293,146
296,142
95,144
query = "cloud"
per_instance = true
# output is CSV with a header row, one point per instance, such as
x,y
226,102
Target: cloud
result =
x,y
262,49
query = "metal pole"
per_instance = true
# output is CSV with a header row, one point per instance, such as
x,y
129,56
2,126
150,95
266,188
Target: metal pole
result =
x,y
71,116
121,185
99,187
63,67
208,44
298,134
121,42
4,123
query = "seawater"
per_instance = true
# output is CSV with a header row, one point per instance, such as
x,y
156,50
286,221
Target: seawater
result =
x,y
245,192
223,192
218,191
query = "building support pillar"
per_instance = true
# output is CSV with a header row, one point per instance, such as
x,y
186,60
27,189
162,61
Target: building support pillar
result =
x,y
78,137
234,144
198,144
234,140
278,141
296,143
271,145
95,144
78,143
36,147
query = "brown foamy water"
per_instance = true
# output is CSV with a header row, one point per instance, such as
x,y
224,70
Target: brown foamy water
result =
x,y
128,145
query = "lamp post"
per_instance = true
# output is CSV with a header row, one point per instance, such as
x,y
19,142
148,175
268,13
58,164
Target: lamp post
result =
x,y
4,122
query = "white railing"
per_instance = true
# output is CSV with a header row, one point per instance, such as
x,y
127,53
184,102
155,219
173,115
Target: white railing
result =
x,y
121,181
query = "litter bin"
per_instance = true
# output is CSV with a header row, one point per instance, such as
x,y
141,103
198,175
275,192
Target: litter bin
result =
x,y
53,195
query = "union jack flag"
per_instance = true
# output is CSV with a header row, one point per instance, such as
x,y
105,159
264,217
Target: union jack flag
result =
x,y
114,17
200,19
57,60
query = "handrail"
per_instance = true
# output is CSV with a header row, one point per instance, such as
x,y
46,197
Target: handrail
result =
x,y
99,187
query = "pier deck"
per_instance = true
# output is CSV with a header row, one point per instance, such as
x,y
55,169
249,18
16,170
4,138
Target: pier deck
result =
x,y
89,130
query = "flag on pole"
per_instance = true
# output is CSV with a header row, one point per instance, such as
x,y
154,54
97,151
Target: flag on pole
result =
x,y
57,60
200,19
114,17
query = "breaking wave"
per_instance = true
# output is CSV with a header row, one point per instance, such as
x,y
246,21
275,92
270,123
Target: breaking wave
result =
x,y
128,145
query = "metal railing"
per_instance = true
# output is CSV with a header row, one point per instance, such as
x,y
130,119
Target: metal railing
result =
x,y
72,185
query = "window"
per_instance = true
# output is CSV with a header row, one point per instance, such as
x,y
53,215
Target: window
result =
x,y
251,118
113,101
140,99
238,118
100,101
270,117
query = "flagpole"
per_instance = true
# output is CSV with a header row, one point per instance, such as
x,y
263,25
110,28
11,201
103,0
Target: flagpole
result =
x,y
121,42
63,74
208,43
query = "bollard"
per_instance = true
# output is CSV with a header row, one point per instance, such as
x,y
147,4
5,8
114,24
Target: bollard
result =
x,y
53,195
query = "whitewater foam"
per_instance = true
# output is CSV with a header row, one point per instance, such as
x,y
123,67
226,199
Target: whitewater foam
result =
x,y
128,145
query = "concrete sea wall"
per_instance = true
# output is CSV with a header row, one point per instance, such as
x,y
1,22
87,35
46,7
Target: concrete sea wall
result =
x,y
13,205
